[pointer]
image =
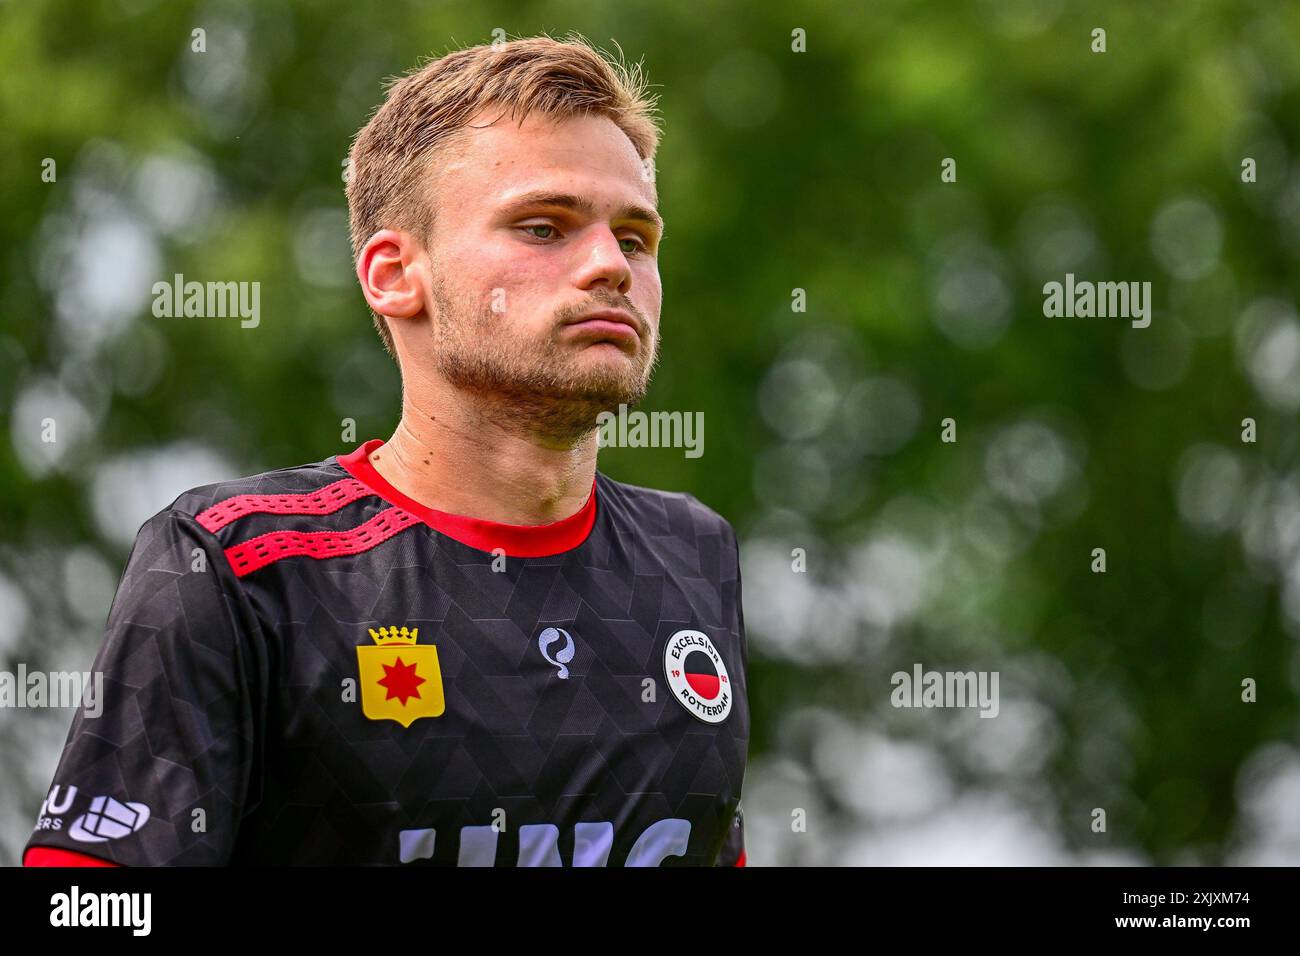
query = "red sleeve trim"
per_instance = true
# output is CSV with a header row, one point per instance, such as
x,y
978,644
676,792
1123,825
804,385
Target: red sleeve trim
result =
x,y
322,501
52,856
256,553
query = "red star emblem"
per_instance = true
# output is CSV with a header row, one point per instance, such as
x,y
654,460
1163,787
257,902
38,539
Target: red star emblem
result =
x,y
402,681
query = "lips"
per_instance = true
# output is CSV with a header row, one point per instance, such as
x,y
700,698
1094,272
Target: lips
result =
x,y
607,323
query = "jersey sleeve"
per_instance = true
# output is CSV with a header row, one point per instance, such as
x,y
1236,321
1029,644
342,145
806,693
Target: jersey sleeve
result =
x,y
160,766
52,856
740,611
733,848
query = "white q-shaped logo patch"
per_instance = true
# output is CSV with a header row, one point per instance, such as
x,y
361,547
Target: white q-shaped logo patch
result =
x,y
563,655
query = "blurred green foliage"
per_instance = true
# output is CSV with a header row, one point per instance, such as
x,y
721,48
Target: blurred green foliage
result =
x,y
779,170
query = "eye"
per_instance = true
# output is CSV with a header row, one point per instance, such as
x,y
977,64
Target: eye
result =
x,y
637,244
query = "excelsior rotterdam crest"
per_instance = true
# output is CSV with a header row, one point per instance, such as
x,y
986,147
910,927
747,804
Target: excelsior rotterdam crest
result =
x,y
400,679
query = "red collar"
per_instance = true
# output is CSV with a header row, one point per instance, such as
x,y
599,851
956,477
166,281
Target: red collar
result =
x,y
516,540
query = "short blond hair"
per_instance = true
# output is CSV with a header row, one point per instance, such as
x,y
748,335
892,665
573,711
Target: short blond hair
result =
x,y
424,111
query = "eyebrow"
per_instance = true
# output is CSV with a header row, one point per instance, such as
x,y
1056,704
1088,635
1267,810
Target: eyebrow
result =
x,y
583,205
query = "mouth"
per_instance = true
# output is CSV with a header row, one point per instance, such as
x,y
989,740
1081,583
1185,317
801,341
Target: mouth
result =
x,y
610,325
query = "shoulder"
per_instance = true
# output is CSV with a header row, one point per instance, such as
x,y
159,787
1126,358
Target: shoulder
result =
x,y
305,480
654,509
188,564
221,513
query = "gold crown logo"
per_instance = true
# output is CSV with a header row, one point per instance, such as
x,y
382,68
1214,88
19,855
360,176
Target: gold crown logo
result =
x,y
393,635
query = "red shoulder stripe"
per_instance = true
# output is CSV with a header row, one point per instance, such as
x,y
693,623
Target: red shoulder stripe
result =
x,y
53,856
322,501
248,556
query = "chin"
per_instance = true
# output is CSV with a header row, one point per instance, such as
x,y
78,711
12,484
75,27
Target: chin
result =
x,y
608,391
604,376
608,361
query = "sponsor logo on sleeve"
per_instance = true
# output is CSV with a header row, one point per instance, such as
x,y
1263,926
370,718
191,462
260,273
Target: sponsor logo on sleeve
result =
x,y
108,819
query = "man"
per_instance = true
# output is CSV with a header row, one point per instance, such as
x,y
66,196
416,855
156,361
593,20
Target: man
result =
x,y
464,645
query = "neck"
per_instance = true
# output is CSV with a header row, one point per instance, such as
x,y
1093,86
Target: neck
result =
x,y
466,456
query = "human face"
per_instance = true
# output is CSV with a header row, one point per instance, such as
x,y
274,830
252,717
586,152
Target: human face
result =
x,y
537,224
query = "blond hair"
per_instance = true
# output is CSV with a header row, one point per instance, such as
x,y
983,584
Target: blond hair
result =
x,y
425,110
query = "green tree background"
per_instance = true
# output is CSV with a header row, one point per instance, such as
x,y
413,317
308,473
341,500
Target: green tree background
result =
x,y
780,170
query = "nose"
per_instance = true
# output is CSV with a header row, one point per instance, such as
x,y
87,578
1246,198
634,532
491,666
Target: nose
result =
x,y
603,263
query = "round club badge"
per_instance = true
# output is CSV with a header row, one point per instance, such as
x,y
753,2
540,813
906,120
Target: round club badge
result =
x,y
697,676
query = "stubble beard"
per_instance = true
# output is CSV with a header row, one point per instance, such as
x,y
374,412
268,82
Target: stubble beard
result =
x,y
541,387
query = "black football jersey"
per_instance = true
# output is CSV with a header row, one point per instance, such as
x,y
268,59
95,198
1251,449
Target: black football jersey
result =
x,y
308,667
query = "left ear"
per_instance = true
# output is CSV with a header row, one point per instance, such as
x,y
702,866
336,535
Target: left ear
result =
x,y
391,269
